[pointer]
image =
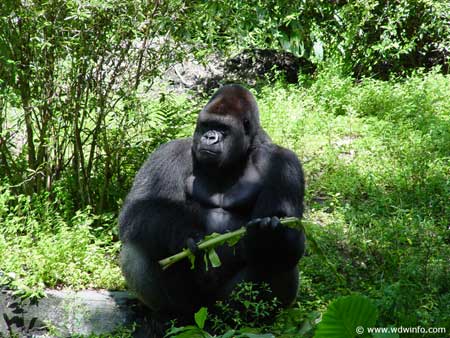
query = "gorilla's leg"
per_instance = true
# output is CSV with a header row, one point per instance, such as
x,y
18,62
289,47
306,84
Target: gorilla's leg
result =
x,y
285,285
138,274
161,291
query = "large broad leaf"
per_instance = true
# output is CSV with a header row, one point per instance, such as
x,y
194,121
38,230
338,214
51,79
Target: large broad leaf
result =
x,y
386,335
347,317
187,332
200,317
255,335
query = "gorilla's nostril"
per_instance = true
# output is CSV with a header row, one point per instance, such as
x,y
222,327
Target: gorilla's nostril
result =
x,y
211,137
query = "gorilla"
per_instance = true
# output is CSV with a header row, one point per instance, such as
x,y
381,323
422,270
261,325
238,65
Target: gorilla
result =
x,y
229,174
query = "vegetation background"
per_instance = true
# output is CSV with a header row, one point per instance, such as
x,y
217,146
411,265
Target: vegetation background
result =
x,y
82,105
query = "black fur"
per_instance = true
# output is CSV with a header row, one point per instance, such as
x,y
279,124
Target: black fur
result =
x,y
228,174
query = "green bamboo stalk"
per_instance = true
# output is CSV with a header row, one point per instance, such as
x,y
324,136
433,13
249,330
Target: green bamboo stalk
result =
x,y
292,222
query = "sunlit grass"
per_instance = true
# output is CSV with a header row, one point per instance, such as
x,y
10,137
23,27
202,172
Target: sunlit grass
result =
x,y
377,162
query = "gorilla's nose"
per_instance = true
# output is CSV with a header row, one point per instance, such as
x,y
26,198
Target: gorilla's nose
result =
x,y
211,137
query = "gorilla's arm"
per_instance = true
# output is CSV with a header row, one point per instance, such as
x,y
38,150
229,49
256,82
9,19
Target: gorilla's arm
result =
x,y
155,215
278,248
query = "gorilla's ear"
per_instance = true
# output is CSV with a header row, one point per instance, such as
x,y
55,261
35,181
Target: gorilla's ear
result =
x,y
247,126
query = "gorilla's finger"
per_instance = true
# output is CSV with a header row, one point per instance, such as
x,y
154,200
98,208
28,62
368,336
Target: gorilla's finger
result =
x,y
192,246
274,222
265,222
253,223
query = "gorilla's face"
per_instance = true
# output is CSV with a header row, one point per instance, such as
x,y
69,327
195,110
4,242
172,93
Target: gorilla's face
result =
x,y
220,141
226,128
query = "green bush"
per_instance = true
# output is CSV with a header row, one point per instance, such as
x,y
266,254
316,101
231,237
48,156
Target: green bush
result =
x,y
71,79
367,38
39,248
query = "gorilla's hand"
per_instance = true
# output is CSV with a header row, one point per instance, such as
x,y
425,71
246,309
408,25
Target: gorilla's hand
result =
x,y
192,246
266,223
268,244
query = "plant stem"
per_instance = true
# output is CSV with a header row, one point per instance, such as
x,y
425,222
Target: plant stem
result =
x,y
292,222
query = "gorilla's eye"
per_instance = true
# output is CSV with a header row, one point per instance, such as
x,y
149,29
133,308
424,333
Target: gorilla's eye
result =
x,y
247,126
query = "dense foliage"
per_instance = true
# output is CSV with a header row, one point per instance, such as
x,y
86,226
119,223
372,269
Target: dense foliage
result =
x,y
367,38
71,76
79,115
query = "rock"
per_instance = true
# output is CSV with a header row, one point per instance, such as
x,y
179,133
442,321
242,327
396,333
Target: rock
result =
x,y
248,67
252,64
66,313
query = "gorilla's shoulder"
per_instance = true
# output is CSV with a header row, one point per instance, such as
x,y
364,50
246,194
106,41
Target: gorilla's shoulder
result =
x,y
170,154
174,149
168,166
278,165
285,154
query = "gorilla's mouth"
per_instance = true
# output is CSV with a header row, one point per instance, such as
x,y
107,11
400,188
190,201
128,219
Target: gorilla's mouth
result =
x,y
209,152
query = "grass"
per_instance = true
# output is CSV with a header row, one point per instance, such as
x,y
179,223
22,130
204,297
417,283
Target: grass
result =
x,y
39,249
377,162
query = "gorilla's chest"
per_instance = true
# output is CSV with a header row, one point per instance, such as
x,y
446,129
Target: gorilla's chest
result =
x,y
225,208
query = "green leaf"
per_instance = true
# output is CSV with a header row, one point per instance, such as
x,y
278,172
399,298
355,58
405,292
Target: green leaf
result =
x,y
185,332
200,317
214,258
191,257
229,334
177,330
233,241
206,260
385,335
346,317
255,335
